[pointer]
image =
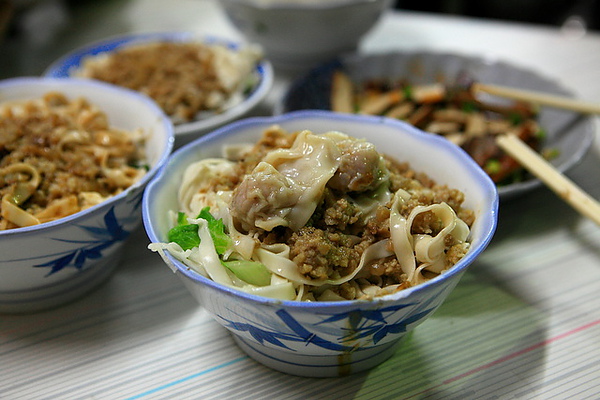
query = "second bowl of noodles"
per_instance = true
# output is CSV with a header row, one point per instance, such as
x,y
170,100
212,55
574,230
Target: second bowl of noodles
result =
x,y
319,239
76,156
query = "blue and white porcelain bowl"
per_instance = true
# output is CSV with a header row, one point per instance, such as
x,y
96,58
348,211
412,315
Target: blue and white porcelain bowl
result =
x,y
322,339
67,65
46,265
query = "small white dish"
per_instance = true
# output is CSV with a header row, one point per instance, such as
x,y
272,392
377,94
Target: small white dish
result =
x,y
66,65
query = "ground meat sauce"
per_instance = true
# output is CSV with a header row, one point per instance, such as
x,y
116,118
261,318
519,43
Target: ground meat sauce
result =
x,y
331,244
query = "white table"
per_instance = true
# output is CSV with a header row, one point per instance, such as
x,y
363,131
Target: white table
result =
x,y
523,323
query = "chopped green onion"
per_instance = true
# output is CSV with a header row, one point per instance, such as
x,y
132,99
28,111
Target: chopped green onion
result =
x,y
516,177
541,134
492,166
550,154
515,118
469,107
181,218
22,192
186,235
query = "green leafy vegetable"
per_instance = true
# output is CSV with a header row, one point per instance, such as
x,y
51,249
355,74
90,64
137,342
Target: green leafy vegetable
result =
x,y
492,166
469,107
551,153
541,134
515,118
216,228
252,272
407,90
186,235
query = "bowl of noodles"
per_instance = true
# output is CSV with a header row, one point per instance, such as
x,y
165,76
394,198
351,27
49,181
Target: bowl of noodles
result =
x,y
319,239
200,82
76,157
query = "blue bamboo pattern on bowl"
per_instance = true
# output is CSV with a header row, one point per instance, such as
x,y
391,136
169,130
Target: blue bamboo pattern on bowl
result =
x,y
371,326
104,237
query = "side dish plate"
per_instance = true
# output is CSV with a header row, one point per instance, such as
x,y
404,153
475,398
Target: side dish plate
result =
x,y
570,134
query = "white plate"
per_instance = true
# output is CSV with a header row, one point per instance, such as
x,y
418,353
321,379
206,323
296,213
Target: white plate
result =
x,y
65,66
569,133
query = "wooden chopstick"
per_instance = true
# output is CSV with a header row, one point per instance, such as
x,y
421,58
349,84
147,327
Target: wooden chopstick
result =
x,y
342,93
543,99
560,184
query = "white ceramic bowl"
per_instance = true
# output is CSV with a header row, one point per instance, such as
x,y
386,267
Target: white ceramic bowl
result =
x,y
334,338
301,33
66,65
46,265
569,133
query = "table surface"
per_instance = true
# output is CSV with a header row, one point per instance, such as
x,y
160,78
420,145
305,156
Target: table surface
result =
x,y
524,322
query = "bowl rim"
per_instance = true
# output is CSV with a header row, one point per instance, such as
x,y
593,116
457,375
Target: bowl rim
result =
x,y
281,5
506,192
126,93
489,189
62,67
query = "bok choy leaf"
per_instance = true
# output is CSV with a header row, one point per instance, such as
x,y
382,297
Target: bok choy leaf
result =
x,y
186,235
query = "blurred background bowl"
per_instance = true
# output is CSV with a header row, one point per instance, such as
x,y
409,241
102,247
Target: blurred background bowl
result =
x,y
327,338
46,265
296,35
262,76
